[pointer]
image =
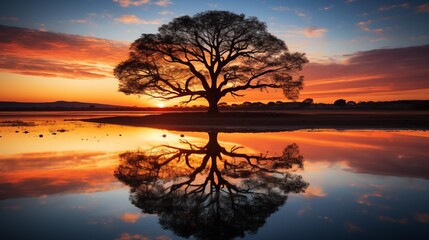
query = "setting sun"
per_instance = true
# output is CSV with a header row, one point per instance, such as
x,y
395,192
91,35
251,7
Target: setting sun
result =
x,y
160,105
214,119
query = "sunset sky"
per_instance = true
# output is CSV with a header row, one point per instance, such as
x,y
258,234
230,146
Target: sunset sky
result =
x,y
358,50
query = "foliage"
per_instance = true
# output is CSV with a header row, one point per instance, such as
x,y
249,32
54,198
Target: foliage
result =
x,y
210,55
308,101
340,102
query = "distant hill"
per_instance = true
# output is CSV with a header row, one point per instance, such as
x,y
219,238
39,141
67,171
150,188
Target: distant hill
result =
x,y
58,105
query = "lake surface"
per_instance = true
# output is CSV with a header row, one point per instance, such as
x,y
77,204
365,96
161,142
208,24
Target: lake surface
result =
x,y
76,180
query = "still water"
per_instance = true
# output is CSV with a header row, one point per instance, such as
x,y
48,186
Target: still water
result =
x,y
76,180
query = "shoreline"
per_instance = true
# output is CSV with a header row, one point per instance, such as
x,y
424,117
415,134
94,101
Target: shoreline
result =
x,y
274,122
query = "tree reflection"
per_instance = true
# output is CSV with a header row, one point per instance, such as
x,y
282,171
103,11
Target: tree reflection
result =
x,y
210,192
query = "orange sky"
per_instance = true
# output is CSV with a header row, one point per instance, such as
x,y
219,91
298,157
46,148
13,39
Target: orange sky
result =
x,y
41,66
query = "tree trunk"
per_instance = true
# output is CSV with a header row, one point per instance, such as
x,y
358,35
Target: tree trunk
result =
x,y
213,108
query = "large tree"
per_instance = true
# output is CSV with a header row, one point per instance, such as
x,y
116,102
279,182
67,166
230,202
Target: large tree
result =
x,y
210,55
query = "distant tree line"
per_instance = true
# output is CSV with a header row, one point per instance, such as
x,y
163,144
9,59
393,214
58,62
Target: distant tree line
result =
x,y
338,104
306,104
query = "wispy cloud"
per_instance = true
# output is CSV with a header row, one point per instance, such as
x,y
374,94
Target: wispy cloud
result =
x,y
133,19
63,172
128,236
422,217
424,8
314,31
42,27
377,39
166,12
9,18
213,5
126,3
381,73
53,68
326,8
299,12
163,3
131,217
82,21
42,53
350,1
393,220
364,25
362,14
314,191
91,18
393,6
421,37
354,228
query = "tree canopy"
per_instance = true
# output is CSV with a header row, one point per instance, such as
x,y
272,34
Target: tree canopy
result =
x,y
210,55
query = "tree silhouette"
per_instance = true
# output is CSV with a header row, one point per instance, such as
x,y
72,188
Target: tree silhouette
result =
x,y
210,55
340,102
210,192
308,101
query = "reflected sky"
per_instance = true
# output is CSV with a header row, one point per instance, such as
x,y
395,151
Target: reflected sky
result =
x,y
361,184
207,191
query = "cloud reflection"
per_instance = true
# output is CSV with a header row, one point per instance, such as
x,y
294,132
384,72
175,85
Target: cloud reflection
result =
x,y
131,217
39,174
377,152
422,217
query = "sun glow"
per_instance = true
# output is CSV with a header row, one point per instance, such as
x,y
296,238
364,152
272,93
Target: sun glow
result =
x,y
160,105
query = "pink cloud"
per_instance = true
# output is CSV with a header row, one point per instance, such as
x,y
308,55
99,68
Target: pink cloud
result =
x,y
133,19
126,3
166,12
52,68
354,228
424,8
386,154
79,21
422,217
39,174
364,23
364,26
41,53
371,75
130,217
314,32
297,11
163,3
162,237
393,6
374,30
128,236
314,191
